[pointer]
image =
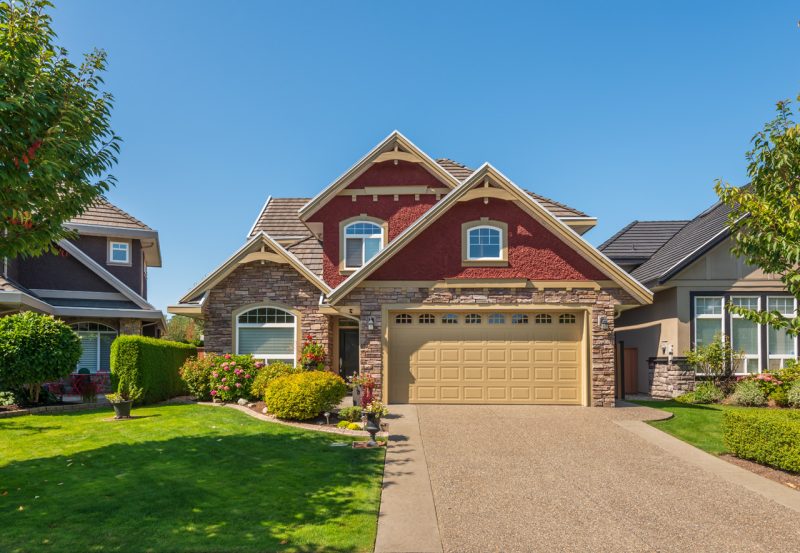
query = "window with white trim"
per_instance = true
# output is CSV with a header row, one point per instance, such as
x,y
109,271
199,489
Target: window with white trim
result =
x,y
362,241
780,345
708,319
119,252
746,335
96,340
484,243
267,333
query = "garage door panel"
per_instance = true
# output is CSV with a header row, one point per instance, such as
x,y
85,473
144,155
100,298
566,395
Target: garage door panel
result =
x,y
483,363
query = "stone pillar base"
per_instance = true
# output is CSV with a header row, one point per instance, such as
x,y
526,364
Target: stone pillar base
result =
x,y
670,380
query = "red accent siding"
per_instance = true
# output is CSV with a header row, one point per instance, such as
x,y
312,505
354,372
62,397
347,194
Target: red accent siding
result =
x,y
534,252
405,173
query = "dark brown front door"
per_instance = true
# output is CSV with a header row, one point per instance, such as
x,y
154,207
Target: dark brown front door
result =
x,y
631,364
348,351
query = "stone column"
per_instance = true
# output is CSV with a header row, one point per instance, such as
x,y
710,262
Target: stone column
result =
x,y
669,380
130,326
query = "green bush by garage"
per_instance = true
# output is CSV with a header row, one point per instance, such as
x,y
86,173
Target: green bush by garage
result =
x,y
769,437
149,364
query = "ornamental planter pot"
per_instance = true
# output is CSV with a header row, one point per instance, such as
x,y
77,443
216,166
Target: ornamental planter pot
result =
x,y
373,427
122,409
358,391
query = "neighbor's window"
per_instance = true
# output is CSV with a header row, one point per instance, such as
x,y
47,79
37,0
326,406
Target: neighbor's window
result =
x,y
484,243
497,319
707,319
362,241
780,345
566,319
119,252
543,318
519,319
472,319
267,333
450,319
745,335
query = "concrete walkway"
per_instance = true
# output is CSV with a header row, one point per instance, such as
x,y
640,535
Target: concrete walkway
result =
x,y
530,478
407,521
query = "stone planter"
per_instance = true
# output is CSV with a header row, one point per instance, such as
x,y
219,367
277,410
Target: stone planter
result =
x,y
372,426
122,409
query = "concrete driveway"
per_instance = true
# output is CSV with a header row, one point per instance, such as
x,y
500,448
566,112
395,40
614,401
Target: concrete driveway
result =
x,y
530,478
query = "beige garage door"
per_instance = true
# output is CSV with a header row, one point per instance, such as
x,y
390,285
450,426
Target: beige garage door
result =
x,y
485,357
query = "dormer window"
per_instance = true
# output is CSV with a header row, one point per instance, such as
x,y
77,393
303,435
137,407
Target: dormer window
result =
x,y
362,241
119,252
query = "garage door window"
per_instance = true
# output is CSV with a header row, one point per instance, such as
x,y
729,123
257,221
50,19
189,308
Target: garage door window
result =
x,y
267,333
543,319
497,319
519,319
450,319
427,319
473,319
403,319
566,319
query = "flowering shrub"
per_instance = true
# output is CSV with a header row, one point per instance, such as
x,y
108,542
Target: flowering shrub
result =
x,y
748,393
232,376
367,386
376,408
312,356
793,395
196,374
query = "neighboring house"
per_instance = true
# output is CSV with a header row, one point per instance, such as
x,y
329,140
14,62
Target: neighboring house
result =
x,y
689,267
97,282
447,285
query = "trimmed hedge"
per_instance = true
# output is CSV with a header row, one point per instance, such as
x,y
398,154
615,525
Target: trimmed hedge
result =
x,y
304,395
150,364
769,437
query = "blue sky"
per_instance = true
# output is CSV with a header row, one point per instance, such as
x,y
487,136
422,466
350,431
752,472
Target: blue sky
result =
x,y
626,110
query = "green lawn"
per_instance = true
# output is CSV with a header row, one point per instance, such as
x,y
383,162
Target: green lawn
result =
x,y
182,478
699,425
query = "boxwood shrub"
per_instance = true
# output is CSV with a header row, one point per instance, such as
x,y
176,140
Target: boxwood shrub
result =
x,y
149,364
269,373
769,437
304,395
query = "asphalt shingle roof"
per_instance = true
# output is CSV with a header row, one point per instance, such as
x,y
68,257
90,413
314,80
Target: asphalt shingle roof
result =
x,y
640,240
692,240
104,213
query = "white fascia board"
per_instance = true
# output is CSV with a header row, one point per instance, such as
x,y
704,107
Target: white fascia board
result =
x,y
122,232
258,217
21,298
98,269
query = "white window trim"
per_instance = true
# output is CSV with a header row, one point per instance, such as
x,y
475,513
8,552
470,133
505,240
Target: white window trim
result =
x,y
263,356
782,357
757,356
111,260
721,316
363,237
469,244
97,334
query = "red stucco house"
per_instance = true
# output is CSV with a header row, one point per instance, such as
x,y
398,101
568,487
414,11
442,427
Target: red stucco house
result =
x,y
446,284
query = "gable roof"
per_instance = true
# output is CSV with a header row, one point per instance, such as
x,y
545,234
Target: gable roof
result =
x,y
535,209
395,146
104,213
694,239
251,247
638,241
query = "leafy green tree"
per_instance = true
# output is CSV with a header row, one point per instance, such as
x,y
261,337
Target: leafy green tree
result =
x,y
184,329
56,142
34,349
765,215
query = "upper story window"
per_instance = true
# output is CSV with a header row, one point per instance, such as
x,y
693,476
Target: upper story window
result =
x,y
119,252
362,241
485,242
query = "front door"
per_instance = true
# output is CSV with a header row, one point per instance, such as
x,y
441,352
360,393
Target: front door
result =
x,y
348,352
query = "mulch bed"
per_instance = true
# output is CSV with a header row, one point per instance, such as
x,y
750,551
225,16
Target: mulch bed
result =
x,y
781,476
259,406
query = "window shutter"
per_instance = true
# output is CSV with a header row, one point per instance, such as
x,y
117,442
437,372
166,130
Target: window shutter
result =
x,y
266,341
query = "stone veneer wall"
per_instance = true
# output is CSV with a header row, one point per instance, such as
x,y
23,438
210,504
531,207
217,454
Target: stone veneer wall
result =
x,y
371,300
669,380
255,283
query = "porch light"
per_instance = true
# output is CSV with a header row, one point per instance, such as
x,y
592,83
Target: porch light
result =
x,y
370,324
603,322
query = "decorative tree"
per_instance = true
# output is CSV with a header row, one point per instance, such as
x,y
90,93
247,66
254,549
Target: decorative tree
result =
x,y
56,142
765,214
